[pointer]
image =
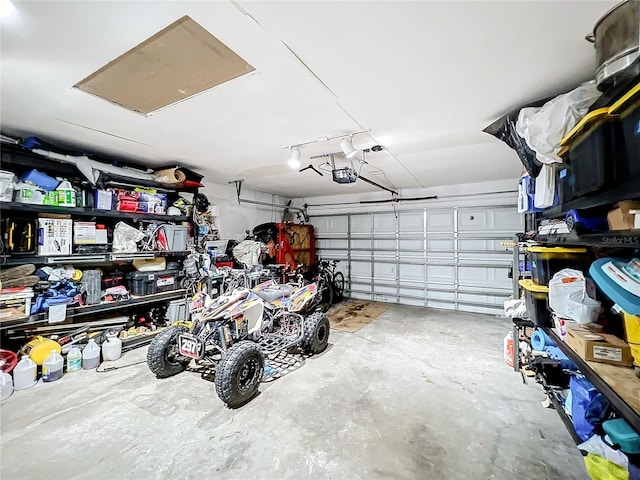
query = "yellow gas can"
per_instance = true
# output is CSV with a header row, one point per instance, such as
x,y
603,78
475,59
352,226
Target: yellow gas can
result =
x,y
39,349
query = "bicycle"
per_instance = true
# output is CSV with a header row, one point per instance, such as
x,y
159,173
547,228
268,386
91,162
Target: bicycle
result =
x,y
330,284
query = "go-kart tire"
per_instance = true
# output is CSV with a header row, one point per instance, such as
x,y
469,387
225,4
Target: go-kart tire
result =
x,y
239,373
162,357
316,333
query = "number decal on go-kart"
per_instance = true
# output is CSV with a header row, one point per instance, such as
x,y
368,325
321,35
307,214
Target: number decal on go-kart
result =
x,y
189,346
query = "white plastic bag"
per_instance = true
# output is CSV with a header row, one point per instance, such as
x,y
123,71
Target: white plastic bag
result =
x,y
125,238
248,253
515,308
571,296
544,127
596,445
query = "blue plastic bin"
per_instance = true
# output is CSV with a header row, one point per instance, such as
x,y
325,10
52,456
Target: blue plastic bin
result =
x,y
40,179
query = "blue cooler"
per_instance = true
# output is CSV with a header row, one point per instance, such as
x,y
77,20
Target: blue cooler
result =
x,y
622,435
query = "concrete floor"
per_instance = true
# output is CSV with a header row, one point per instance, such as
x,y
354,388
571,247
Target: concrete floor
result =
x,y
416,394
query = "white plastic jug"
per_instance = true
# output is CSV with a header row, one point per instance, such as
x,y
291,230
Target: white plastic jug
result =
x,y
112,348
74,360
25,374
52,367
91,355
6,385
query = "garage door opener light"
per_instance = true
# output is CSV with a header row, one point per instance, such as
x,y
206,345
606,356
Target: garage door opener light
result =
x,y
294,157
346,144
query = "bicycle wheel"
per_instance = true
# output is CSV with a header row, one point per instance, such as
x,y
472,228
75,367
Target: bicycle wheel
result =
x,y
325,293
338,287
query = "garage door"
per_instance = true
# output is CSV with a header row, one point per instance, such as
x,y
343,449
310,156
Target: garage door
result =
x,y
436,257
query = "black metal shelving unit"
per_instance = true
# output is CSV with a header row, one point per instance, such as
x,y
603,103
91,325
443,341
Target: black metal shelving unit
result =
x,y
75,312
557,404
615,239
624,191
19,160
16,207
617,402
629,239
17,157
85,258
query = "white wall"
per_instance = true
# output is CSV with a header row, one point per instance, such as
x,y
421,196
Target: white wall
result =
x,y
234,219
472,194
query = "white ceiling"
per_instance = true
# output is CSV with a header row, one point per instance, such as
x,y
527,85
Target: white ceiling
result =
x,y
425,77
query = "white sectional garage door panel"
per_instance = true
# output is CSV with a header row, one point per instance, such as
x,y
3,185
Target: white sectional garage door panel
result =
x,y
437,257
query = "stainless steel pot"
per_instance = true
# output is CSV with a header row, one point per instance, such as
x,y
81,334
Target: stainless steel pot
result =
x,y
615,37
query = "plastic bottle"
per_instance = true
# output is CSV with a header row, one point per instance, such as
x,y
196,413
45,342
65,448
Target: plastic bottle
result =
x,y
112,347
6,385
25,374
91,355
74,360
508,349
53,367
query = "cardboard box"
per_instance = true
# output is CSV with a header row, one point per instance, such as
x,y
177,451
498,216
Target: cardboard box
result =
x,y
54,236
620,218
599,347
103,200
84,232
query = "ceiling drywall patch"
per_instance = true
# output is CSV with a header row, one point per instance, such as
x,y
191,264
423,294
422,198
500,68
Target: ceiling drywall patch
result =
x,y
176,63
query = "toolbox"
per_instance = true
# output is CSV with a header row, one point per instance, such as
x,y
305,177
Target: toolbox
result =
x,y
148,283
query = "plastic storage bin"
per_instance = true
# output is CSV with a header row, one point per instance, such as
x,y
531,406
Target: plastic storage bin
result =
x,y
177,236
622,435
536,303
40,179
547,261
178,311
630,121
596,161
6,186
148,283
